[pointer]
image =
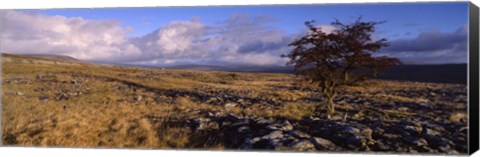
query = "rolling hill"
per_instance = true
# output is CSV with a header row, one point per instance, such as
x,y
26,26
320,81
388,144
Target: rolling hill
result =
x,y
434,73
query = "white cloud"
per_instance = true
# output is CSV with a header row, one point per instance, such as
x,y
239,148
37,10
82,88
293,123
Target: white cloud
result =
x,y
32,33
254,59
241,39
175,40
327,28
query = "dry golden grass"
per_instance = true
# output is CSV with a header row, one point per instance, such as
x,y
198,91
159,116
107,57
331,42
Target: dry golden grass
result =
x,y
457,117
97,119
291,110
385,98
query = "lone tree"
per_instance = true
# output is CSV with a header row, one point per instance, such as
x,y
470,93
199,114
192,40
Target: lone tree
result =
x,y
341,57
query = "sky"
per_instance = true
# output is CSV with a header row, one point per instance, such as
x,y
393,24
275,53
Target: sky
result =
x,y
418,33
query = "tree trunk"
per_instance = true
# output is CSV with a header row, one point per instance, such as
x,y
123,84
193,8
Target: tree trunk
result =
x,y
346,77
330,91
330,106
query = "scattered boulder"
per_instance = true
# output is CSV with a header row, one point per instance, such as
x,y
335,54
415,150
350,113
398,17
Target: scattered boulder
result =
x,y
285,126
407,129
62,97
243,129
350,130
298,134
263,121
208,126
356,141
415,141
43,97
138,98
203,119
20,94
122,86
430,132
390,136
322,144
273,135
302,145
230,105
275,144
439,143
249,143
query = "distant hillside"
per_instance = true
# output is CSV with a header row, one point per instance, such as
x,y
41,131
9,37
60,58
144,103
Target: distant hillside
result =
x,y
441,73
260,69
201,67
41,59
53,57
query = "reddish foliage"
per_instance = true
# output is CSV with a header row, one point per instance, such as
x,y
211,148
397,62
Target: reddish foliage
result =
x,y
342,57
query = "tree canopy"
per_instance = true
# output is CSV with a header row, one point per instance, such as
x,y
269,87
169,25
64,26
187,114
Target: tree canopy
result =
x,y
344,56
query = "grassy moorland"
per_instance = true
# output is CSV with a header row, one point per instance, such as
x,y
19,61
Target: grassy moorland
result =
x,y
73,104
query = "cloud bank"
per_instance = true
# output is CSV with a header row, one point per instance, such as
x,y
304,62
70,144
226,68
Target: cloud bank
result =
x,y
241,39
432,47
84,39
